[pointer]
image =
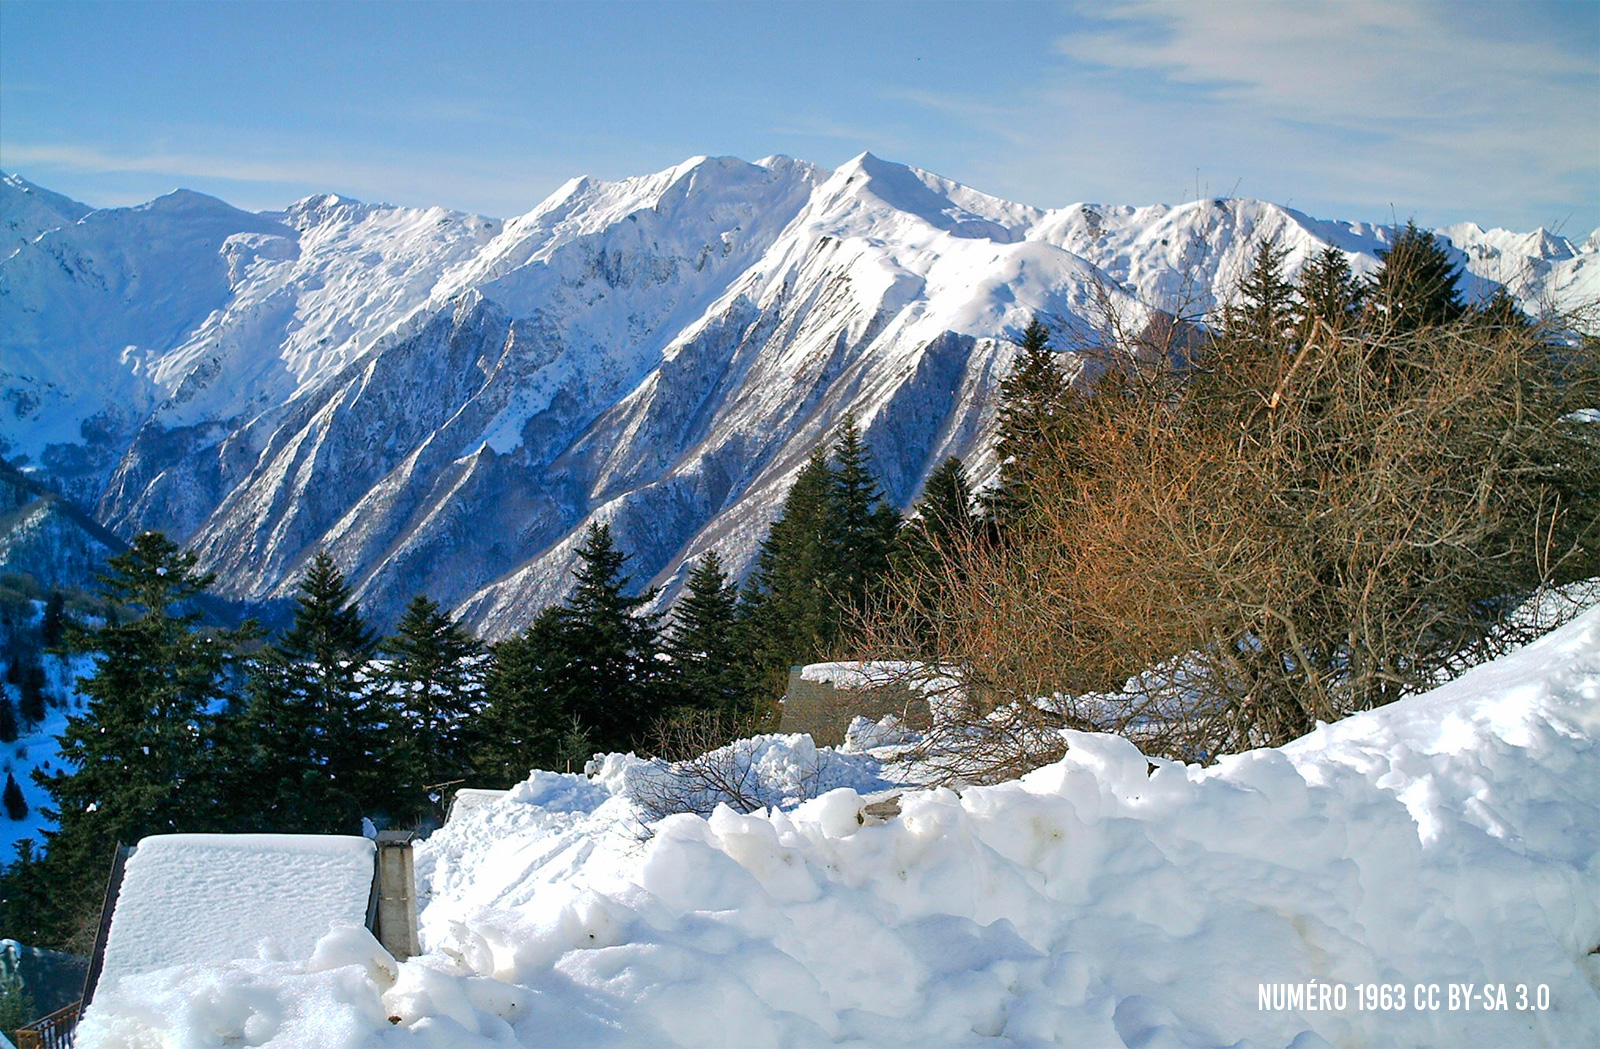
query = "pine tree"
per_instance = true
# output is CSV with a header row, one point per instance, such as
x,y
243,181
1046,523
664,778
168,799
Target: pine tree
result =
x,y
308,750
16,804
434,682
1328,291
140,757
52,629
942,525
821,561
8,719
1031,399
526,724
1266,308
705,642
1416,285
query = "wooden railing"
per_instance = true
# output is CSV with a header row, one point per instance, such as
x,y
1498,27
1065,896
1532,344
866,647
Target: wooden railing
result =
x,y
51,1032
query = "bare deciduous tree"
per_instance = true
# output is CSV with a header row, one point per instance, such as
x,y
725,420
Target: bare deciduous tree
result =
x,y
1280,528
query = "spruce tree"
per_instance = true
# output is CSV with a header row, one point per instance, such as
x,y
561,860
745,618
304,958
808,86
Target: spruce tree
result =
x,y
8,719
942,526
1416,285
309,749
16,804
16,1004
1328,291
1266,308
52,629
434,684
527,724
140,759
1500,311
863,523
705,642
786,610
821,562
618,686
586,676
1031,399
31,706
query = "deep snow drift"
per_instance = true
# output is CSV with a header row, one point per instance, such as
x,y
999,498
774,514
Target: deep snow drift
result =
x,y
1450,839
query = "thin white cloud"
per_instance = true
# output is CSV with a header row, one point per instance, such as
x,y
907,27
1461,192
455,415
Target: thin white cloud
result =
x,y
1381,68
1345,109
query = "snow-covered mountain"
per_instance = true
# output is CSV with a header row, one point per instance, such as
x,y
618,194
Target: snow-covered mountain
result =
x,y
444,400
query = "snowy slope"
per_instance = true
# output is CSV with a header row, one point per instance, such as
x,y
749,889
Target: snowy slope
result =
x,y
29,210
37,747
1448,841
444,400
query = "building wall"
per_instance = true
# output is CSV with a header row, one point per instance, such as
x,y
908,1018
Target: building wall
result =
x,y
824,710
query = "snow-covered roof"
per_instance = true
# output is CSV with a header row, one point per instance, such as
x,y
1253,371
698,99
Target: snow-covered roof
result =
x,y
191,899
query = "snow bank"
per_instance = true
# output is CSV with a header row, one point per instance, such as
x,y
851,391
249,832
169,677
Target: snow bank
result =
x,y
1450,839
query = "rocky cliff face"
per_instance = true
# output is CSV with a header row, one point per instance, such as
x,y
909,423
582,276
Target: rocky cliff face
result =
x,y
444,401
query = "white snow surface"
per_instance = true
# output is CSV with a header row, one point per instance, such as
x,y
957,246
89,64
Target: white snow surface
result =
x,y
188,900
38,747
1451,838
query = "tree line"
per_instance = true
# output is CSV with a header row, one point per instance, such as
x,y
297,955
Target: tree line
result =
x,y
1334,493
190,727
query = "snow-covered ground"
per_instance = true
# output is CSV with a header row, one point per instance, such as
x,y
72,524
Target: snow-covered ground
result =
x,y
36,747
1423,874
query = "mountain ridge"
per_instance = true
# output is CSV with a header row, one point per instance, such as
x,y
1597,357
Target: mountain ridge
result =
x,y
445,400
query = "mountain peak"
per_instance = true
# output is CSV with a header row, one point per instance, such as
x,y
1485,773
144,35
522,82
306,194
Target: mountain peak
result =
x,y
939,202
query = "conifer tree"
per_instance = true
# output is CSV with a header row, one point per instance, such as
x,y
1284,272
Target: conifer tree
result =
x,y
16,1004
863,522
434,681
1266,308
1031,397
1328,291
705,640
785,608
1501,311
617,687
309,749
31,706
8,719
16,804
942,525
139,760
822,558
585,674
1416,285
53,626
527,724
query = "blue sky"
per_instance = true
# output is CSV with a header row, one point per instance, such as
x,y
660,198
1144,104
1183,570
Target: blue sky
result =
x,y
1445,112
